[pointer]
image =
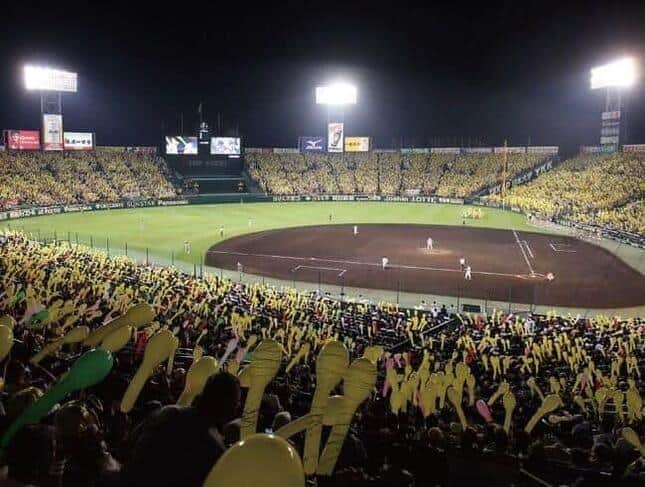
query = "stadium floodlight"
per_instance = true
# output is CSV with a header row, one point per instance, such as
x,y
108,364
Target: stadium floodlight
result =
x,y
336,94
620,73
47,79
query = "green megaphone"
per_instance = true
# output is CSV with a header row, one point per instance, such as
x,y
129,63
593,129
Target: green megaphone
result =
x,y
89,369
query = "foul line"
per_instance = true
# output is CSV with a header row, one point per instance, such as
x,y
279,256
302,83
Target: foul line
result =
x,y
526,244
372,264
526,259
564,249
342,271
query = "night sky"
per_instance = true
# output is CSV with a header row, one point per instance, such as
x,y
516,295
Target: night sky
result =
x,y
439,75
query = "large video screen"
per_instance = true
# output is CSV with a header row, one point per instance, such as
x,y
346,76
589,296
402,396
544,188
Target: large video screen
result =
x,y
225,146
23,139
181,145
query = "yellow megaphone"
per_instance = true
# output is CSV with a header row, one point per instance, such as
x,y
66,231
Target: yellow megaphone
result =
x,y
632,438
118,339
259,460
509,403
331,364
262,369
6,341
161,347
136,317
358,384
8,321
196,378
550,403
75,335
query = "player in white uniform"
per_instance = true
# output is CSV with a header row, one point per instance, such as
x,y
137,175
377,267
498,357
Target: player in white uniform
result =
x,y
429,244
186,247
462,263
384,262
355,230
468,276
221,231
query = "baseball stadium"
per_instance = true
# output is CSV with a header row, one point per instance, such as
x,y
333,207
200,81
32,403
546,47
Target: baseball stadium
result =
x,y
206,309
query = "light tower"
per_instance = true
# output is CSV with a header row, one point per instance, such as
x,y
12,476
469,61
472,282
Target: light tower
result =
x,y
51,83
336,95
614,77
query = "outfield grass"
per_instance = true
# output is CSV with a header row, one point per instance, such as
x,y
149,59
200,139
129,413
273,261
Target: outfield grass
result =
x,y
163,229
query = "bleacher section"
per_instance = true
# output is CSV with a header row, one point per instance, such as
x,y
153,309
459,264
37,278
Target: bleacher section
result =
x,y
457,173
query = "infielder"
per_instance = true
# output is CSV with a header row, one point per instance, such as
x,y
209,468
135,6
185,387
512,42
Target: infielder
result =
x,y
462,263
221,231
429,244
355,230
384,262
468,276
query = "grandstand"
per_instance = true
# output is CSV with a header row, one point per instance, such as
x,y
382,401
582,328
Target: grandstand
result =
x,y
459,174
605,189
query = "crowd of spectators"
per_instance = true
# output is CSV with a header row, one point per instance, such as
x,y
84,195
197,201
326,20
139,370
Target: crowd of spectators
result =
x,y
488,399
387,173
592,188
48,178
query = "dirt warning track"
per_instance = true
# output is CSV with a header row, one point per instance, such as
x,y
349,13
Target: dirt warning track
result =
x,y
506,265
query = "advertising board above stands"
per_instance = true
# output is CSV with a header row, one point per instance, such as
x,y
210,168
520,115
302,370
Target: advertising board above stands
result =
x,y
360,144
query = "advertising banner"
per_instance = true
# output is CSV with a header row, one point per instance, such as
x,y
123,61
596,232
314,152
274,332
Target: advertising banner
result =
x,y
445,150
285,150
52,132
509,150
592,149
311,144
253,150
477,150
615,115
613,139
78,141
335,137
634,148
357,144
546,149
181,145
225,146
23,139
414,150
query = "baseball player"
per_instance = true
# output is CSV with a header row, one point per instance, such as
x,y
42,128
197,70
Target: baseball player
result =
x,y
462,263
468,275
186,247
384,261
429,244
221,230
355,230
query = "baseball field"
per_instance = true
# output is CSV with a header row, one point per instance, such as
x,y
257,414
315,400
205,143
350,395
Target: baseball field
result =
x,y
314,242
